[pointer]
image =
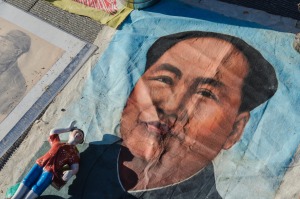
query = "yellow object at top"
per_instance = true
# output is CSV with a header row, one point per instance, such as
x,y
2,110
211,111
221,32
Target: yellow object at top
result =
x,y
103,17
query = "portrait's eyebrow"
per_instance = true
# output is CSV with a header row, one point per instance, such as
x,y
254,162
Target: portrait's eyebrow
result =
x,y
209,81
170,68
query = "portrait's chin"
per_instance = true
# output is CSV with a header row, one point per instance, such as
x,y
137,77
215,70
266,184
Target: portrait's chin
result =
x,y
142,147
145,154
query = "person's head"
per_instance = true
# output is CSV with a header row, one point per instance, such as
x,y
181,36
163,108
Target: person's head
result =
x,y
13,45
195,96
76,136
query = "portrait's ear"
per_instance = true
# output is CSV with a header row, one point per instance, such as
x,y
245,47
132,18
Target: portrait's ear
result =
x,y
237,130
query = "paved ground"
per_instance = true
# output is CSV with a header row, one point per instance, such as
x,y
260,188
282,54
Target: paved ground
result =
x,y
80,26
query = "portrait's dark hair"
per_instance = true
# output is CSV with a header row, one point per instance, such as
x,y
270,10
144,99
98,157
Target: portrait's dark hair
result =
x,y
259,85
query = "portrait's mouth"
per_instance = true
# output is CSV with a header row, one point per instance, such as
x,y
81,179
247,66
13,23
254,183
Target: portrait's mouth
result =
x,y
157,128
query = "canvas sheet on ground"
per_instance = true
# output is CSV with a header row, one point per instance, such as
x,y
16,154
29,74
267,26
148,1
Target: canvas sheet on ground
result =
x,y
33,55
182,92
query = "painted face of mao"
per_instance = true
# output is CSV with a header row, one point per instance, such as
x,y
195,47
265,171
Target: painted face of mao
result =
x,y
187,103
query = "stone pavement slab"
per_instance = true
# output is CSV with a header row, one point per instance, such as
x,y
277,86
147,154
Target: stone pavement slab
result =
x,y
79,26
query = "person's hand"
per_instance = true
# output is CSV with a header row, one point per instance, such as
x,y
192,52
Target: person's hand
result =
x,y
72,125
67,175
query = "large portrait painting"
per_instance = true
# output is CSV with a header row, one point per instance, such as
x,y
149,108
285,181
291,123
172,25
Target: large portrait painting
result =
x,y
192,101
188,111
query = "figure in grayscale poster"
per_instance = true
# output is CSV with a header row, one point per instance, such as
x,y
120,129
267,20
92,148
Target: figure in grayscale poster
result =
x,y
12,83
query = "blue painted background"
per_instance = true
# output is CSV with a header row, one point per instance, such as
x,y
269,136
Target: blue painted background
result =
x,y
254,167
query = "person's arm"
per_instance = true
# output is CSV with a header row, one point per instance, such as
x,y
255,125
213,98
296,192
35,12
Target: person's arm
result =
x,y
68,174
63,130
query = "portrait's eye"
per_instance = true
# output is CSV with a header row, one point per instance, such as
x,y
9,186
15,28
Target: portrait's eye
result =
x,y
207,93
164,79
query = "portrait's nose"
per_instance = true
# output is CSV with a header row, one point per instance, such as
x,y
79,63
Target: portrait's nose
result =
x,y
172,108
167,118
